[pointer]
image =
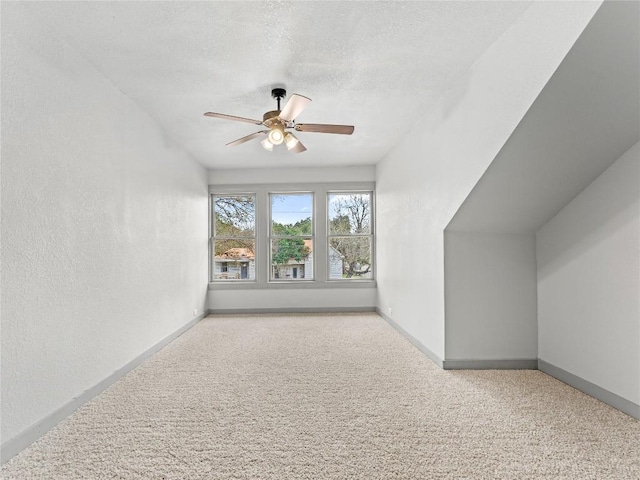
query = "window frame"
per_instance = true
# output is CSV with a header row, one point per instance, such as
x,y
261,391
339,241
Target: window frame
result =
x,y
263,228
311,237
213,237
369,235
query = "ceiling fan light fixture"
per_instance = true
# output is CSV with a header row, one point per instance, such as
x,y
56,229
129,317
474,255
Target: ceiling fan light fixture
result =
x,y
278,121
276,135
267,145
290,141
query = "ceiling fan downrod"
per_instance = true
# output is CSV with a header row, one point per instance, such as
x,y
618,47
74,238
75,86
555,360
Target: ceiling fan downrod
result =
x,y
278,94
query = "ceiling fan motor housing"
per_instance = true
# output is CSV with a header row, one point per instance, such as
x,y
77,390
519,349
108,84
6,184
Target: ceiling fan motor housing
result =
x,y
270,117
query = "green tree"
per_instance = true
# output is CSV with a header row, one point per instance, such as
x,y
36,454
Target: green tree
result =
x,y
340,224
287,249
301,227
290,248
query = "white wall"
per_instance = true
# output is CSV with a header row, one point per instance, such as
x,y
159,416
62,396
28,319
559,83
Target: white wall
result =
x,y
589,279
292,175
292,298
425,179
223,298
490,296
104,227
583,120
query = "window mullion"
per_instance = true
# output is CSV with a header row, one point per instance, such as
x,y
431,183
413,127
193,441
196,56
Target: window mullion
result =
x,y
320,231
262,234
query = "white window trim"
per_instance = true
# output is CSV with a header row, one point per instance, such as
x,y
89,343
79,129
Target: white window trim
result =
x,y
370,235
271,237
320,231
212,235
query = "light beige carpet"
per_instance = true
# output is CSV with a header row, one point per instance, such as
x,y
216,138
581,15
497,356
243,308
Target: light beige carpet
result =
x,y
329,397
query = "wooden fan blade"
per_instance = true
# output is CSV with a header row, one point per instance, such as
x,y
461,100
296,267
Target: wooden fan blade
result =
x,y
232,117
294,106
247,138
323,128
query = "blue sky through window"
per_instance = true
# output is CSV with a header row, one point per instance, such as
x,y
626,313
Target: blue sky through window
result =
x,y
291,208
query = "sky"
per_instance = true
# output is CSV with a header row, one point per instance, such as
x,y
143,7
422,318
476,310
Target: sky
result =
x,y
291,208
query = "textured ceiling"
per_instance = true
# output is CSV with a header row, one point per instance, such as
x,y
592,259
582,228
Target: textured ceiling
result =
x,y
376,65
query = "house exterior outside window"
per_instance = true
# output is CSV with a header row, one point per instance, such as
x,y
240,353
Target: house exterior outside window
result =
x,y
235,264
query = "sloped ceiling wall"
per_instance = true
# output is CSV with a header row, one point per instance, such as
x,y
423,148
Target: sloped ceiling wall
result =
x,y
585,118
425,179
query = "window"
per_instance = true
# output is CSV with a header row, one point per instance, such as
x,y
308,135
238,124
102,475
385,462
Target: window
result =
x,y
291,236
234,237
350,238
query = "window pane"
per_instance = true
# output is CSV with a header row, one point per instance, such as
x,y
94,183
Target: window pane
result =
x,y
292,259
235,216
292,214
234,259
350,257
349,213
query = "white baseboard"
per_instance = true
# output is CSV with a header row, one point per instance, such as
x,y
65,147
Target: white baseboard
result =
x,y
616,401
13,446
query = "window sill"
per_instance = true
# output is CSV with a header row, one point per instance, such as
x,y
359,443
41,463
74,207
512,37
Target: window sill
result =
x,y
294,285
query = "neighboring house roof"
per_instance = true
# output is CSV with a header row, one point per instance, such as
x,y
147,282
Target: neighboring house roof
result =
x,y
236,253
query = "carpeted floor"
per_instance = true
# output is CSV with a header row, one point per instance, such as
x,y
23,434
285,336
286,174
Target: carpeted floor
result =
x,y
339,396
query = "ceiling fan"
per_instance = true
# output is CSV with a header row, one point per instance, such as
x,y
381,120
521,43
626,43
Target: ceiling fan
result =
x,y
279,122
